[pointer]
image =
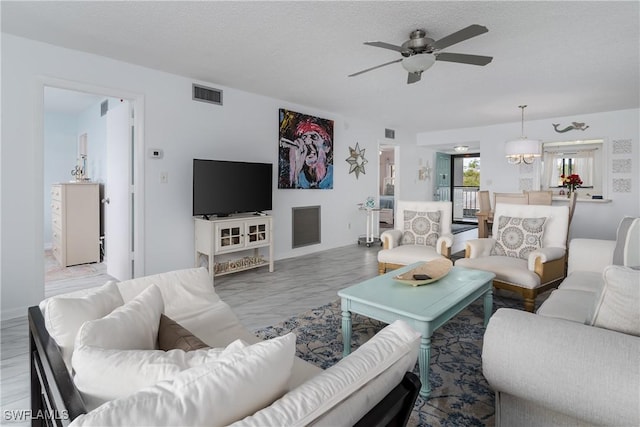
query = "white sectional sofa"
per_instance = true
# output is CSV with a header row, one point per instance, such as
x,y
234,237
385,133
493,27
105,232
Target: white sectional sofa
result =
x,y
577,360
96,361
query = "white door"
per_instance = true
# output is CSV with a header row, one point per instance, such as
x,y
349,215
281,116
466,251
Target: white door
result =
x,y
118,192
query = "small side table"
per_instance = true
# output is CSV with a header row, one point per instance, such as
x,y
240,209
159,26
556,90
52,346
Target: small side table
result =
x,y
370,238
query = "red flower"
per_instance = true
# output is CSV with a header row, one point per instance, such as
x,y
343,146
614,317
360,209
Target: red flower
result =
x,y
572,181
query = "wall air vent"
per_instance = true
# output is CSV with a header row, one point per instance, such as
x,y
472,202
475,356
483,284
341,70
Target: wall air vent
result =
x,y
306,226
389,133
104,107
207,94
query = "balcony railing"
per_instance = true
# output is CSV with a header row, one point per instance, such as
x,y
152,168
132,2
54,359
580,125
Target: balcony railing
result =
x,y
465,204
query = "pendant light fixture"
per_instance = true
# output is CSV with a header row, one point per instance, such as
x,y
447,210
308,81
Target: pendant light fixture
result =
x,y
522,150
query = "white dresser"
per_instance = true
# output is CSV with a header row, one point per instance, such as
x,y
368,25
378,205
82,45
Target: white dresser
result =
x,y
75,217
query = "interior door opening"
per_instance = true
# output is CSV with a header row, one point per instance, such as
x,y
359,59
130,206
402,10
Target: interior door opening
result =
x,y
465,171
387,185
74,139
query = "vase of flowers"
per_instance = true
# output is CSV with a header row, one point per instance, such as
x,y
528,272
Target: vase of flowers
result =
x,y
572,182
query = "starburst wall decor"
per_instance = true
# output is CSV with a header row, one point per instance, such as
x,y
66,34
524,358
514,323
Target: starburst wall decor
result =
x,y
356,160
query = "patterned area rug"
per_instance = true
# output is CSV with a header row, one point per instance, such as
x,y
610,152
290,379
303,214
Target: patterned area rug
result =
x,y
460,396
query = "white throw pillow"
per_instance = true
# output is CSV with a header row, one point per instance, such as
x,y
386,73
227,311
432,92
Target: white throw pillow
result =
x,y
102,374
618,305
421,228
183,291
394,348
63,316
518,237
133,326
215,394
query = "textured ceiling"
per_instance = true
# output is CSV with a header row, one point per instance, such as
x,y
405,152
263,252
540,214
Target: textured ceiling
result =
x,y
560,58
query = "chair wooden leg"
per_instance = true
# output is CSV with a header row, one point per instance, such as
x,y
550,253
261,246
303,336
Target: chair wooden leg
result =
x,y
529,299
529,304
382,268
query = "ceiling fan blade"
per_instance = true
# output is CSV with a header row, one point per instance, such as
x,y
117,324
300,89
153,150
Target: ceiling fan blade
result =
x,y
464,58
413,78
377,66
385,46
459,36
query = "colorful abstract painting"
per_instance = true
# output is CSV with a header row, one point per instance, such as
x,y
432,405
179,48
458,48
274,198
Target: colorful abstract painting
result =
x,y
305,153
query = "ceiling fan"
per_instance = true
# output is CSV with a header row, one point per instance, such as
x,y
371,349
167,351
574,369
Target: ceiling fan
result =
x,y
420,52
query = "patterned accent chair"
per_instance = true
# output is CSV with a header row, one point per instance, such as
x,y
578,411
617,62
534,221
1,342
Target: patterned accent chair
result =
x,y
422,233
527,251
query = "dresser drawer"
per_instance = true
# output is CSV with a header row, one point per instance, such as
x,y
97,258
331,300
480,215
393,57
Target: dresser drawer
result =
x,y
56,236
56,207
57,253
56,192
56,221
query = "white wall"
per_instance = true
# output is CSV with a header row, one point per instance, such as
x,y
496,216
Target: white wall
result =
x,y
593,220
245,128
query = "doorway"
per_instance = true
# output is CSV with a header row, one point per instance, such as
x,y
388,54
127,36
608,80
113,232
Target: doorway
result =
x,y
71,109
387,185
465,171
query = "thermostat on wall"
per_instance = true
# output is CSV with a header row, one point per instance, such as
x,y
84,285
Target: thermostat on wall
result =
x,y
156,153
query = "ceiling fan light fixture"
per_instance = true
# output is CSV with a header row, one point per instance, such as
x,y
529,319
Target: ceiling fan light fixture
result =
x,y
523,149
461,148
419,62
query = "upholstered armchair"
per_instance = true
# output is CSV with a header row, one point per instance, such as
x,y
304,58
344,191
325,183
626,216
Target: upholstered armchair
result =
x,y
527,251
422,232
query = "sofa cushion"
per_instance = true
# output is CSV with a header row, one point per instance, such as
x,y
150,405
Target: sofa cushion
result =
x,y
102,374
569,304
133,326
421,228
507,269
627,249
617,306
172,335
588,281
63,316
183,291
408,254
214,394
190,300
392,352
518,237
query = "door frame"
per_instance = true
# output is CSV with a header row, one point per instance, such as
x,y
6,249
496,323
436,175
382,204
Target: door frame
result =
x,y
137,104
453,170
396,163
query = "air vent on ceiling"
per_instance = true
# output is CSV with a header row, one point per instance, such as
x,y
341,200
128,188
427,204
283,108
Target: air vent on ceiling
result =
x,y
207,94
104,107
389,133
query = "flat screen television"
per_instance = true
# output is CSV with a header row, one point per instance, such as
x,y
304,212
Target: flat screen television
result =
x,y
223,187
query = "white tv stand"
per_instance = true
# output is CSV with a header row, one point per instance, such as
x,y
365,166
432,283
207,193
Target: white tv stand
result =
x,y
226,235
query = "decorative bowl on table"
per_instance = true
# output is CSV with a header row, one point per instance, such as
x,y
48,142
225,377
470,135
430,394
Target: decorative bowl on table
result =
x,y
426,273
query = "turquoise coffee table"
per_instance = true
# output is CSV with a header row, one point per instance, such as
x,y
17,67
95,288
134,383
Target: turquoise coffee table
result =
x,y
425,308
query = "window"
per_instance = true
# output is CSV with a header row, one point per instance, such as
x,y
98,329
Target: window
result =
x,y
584,158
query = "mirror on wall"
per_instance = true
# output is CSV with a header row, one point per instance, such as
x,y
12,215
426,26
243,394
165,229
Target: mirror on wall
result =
x,y
582,157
